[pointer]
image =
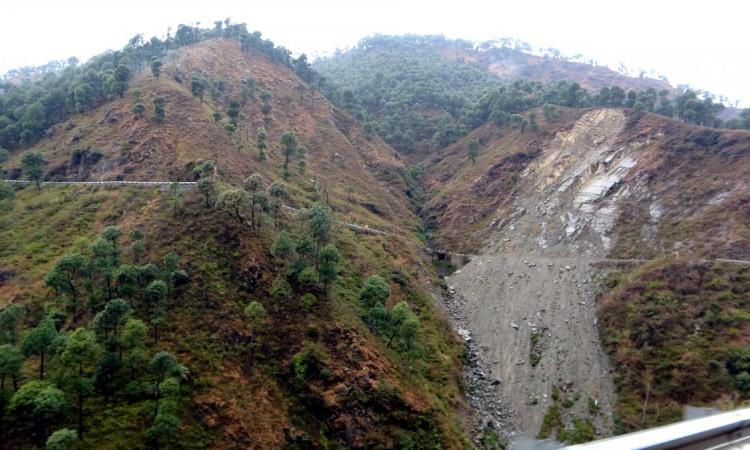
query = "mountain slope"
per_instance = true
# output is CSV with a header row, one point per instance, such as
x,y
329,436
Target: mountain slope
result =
x,y
631,209
511,64
322,377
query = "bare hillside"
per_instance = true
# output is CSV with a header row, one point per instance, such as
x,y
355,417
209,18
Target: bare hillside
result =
x,y
555,212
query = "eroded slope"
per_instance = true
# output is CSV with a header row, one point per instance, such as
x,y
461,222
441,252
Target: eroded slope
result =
x,y
607,189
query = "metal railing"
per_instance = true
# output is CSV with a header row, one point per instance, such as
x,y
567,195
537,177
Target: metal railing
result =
x,y
730,430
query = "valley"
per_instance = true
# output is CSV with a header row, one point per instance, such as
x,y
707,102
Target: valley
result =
x,y
416,243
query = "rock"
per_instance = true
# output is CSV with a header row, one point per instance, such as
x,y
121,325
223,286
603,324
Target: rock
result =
x,y
514,325
465,334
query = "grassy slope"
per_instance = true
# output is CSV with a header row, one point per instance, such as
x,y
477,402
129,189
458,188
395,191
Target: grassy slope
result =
x,y
670,327
257,408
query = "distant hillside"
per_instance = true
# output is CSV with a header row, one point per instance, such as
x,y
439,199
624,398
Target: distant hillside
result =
x,y
422,93
405,92
511,64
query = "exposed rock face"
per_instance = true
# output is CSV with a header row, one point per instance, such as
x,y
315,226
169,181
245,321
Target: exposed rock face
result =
x,y
567,201
529,297
604,188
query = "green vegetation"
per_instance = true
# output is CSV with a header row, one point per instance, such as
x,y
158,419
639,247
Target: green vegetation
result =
x,y
89,342
28,109
261,142
289,147
384,78
32,164
112,301
473,150
579,431
159,110
490,440
62,439
671,330
535,347
416,97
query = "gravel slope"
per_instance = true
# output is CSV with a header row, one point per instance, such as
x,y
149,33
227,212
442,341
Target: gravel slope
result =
x,y
505,301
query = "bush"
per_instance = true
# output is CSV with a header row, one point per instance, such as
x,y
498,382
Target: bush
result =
x,y
374,291
307,302
309,362
62,439
280,289
307,276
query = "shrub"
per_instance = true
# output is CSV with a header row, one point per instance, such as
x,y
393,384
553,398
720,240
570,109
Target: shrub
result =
x,y
307,302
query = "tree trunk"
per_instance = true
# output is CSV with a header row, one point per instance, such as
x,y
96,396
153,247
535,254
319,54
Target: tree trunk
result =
x,y
80,414
41,365
80,403
156,403
393,335
252,349
252,212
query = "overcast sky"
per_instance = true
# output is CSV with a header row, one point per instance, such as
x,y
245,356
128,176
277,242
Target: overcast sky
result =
x,y
704,44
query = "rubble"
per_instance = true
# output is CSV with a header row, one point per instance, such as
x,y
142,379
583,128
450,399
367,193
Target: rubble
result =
x,y
489,411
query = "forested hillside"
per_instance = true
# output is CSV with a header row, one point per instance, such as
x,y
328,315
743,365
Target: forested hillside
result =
x,y
422,93
241,311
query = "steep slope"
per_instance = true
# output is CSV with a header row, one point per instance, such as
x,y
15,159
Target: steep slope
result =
x,y
134,148
549,214
321,378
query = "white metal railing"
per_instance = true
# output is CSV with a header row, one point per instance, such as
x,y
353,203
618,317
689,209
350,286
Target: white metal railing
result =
x,y
721,431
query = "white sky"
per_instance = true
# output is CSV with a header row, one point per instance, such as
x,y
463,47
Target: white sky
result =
x,y
701,43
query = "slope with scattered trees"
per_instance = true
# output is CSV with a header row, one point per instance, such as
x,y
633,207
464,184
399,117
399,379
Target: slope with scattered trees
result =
x,y
217,317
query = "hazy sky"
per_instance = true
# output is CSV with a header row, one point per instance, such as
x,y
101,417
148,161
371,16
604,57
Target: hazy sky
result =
x,y
704,44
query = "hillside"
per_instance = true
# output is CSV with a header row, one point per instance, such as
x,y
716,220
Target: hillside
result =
x,y
316,372
613,222
416,243
423,93
510,64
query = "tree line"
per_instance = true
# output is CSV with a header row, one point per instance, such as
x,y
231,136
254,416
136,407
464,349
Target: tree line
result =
x,y
406,91
27,109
